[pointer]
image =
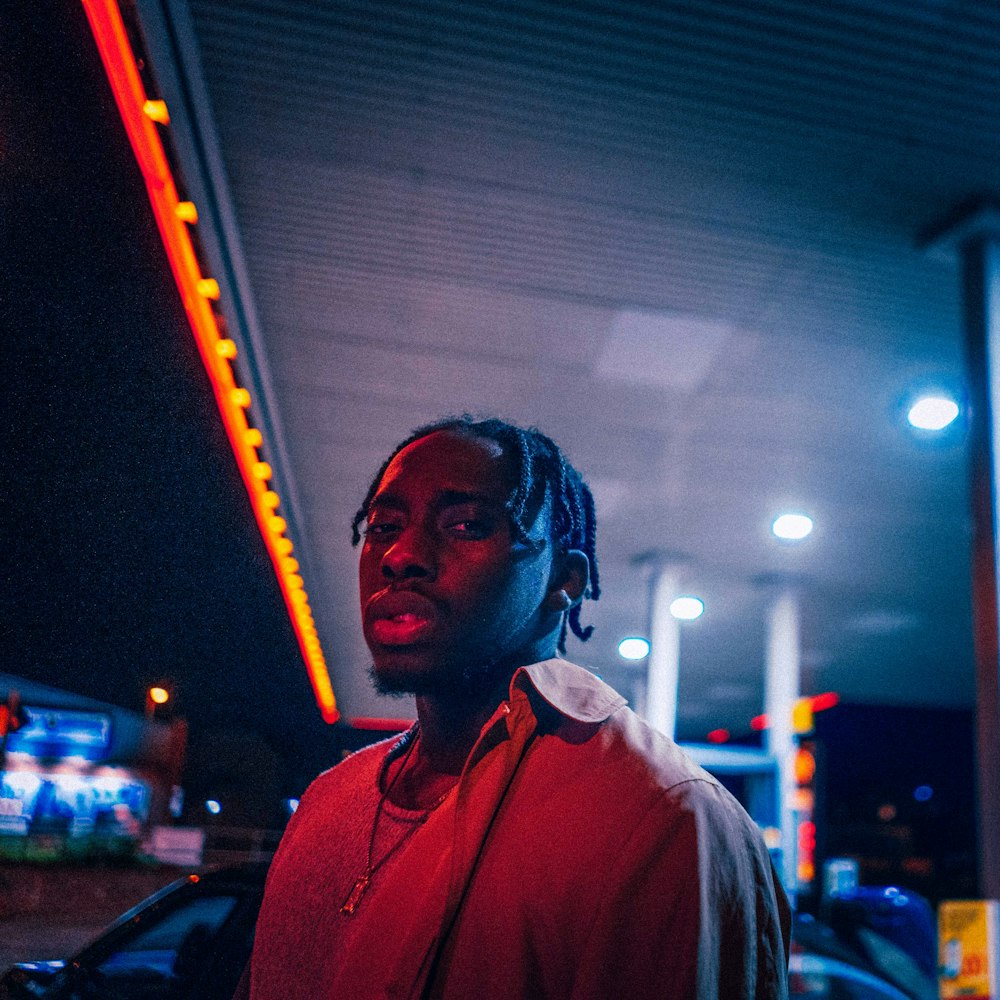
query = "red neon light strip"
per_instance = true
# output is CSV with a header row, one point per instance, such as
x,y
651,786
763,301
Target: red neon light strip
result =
x,y
119,64
381,725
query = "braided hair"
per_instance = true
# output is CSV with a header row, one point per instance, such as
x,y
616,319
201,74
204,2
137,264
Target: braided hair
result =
x,y
540,470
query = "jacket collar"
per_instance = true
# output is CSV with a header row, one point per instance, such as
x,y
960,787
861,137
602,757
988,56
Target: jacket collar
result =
x,y
571,690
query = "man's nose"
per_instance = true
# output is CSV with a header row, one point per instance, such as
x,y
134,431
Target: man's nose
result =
x,y
410,556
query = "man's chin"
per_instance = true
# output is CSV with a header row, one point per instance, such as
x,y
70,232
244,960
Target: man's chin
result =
x,y
394,683
399,681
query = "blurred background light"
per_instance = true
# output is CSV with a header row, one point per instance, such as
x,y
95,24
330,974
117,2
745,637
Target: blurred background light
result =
x,y
633,648
687,608
932,413
213,806
292,804
792,527
159,696
922,793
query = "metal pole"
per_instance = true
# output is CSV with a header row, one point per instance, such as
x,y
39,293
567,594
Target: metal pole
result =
x,y
663,664
781,691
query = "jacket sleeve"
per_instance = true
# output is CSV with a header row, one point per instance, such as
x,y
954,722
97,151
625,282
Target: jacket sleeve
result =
x,y
692,908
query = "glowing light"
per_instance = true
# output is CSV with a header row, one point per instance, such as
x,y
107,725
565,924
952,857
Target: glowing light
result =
x,y
633,648
159,696
295,581
381,725
208,287
277,524
186,212
156,111
226,348
887,812
288,564
271,500
213,806
240,397
805,766
139,117
718,736
923,793
758,723
284,546
932,413
792,527
291,804
828,699
802,716
687,609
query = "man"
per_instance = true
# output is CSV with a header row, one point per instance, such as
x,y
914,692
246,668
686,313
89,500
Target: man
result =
x,y
529,836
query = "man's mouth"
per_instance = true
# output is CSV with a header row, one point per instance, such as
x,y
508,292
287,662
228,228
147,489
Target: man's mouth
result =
x,y
400,630
398,618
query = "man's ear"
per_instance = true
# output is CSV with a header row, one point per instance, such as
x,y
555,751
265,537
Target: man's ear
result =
x,y
568,581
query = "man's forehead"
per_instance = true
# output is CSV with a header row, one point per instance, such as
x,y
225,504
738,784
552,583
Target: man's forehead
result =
x,y
452,461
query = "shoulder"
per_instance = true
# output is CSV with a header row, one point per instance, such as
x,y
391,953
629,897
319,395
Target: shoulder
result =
x,y
353,776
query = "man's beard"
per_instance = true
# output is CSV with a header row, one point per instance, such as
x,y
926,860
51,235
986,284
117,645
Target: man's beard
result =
x,y
469,682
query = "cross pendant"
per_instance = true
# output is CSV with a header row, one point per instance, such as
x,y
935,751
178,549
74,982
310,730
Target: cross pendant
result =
x,y
351,903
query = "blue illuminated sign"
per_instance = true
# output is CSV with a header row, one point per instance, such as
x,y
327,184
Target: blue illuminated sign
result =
x,y
51,732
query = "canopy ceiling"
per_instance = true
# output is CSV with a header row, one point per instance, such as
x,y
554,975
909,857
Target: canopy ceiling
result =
x,y
684,239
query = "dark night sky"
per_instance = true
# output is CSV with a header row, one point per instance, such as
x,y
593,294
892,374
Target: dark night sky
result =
x,y
130,554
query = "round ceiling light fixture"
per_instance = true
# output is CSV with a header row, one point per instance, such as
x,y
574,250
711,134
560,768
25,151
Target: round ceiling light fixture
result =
x,y
932,412
792,527
687,608
633,648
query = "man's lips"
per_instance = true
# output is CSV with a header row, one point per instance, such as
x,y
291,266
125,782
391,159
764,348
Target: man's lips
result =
x,y
400,617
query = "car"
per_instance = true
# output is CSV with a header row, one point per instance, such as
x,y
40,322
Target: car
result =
x,y
189,941
192,940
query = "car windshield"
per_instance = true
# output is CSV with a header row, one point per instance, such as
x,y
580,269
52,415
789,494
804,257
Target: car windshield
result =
x,y
160,961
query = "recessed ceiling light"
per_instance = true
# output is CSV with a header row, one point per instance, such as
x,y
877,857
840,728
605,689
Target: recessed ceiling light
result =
x,y
932,413
687,608
792,527
633,648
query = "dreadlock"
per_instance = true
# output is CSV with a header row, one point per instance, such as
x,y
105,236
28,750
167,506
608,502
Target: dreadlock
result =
x,y
540,470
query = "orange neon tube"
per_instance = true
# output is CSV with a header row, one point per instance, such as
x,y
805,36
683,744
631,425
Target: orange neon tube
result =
x,y
196,291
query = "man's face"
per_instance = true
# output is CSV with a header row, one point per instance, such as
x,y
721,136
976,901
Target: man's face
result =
x,y
450,601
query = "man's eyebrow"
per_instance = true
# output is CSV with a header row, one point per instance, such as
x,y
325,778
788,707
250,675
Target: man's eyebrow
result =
x,y
453,498
389,500
446,498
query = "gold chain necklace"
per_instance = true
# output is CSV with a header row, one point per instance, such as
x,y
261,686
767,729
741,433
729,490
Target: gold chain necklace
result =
x,y
360,887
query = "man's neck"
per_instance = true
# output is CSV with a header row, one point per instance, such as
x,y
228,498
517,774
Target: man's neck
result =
x,y
450,727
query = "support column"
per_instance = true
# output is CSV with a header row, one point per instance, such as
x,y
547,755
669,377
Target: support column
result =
x,y
975,237
981,289
663,664
781,691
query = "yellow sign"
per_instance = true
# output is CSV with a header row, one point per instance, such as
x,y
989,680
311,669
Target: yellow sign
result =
x,y
969,949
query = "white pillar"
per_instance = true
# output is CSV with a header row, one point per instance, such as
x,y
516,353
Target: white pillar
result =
x,y
663,664
781,691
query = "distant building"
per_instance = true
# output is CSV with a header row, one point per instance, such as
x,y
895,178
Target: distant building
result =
x,y
81,778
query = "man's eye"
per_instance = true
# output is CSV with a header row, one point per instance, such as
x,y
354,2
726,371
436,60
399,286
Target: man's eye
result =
x,y
469,528
379,529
